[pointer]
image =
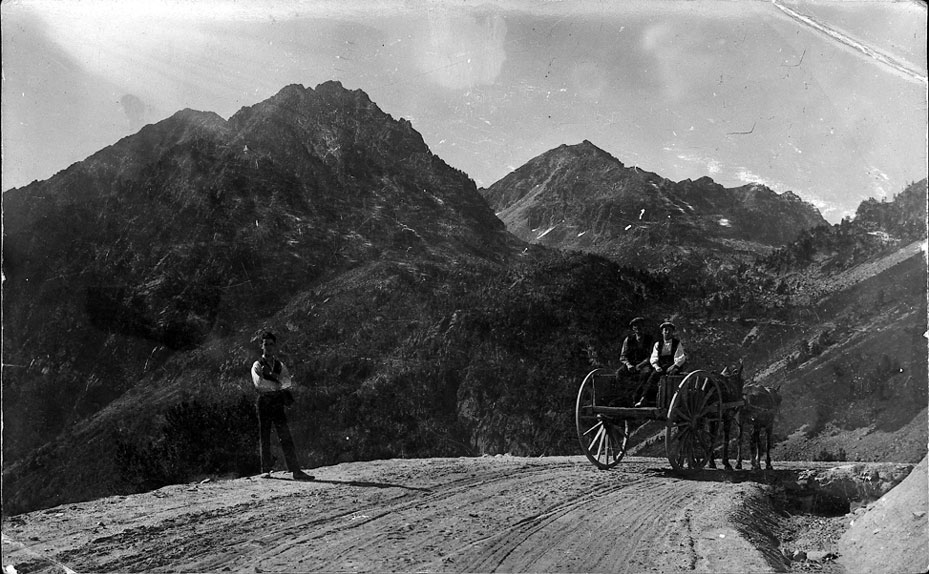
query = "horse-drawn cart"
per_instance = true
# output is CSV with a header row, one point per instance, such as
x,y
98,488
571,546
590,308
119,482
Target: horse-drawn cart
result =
x,y
691,406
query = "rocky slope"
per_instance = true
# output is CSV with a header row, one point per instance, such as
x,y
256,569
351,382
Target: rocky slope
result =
x,y
580,197
854,356
892,535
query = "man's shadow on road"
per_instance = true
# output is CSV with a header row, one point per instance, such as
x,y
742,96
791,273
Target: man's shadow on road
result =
x,y
358,483
369,484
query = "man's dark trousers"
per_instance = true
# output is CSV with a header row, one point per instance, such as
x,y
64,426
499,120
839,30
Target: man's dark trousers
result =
x,y
271,412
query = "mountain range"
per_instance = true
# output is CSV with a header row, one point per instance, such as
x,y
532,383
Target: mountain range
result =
x,y
417,322
581,198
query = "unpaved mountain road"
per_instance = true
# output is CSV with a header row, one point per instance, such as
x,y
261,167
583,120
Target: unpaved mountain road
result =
x,y
489,514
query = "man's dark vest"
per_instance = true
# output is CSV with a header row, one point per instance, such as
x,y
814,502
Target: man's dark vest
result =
x,y
635,352
665,361
268,371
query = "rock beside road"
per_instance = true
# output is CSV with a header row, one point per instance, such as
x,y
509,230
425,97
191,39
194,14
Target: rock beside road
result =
x,y
893,534
859,482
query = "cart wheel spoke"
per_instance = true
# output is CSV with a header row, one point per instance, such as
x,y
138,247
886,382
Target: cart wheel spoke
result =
x,y
597,425
621,433
605,446
683,435
598,438
601,442
602,435
694,417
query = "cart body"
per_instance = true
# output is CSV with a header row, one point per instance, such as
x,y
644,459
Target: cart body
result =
x,y
691,406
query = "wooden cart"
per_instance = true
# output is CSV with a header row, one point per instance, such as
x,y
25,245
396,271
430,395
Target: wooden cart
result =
x,y
691,406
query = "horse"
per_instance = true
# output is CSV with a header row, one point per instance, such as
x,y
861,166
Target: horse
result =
x,y
731,385
761,407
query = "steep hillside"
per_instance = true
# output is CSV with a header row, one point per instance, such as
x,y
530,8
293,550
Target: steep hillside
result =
x,y
197,226
851,354
581,198
855,379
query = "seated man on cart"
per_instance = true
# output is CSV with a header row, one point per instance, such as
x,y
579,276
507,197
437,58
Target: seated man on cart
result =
x,y
667,358
636,352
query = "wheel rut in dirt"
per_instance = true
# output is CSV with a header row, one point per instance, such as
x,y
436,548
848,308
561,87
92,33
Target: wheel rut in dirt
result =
x,y
493,514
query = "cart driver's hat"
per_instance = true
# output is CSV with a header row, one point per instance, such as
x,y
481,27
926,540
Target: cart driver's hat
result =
x,y
637,321
669,325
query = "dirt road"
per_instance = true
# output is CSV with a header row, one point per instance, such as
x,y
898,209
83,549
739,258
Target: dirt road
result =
x,y
491,514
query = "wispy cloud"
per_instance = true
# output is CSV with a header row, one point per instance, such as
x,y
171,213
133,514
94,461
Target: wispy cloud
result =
x,y
746,176
829,209
712,166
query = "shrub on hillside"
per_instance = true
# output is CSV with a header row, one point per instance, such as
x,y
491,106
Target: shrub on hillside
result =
x,y
828,456
195,439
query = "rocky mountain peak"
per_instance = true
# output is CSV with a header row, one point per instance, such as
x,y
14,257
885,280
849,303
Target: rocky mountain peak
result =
x,y
329,93
333,89
706,181
565,169
584,150
196,117
585,147
330,123
581,197
182,126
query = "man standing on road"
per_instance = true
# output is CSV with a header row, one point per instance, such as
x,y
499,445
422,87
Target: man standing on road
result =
x,y
273,382
667,357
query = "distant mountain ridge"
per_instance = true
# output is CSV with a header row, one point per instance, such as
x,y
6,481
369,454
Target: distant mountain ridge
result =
x,y
580,197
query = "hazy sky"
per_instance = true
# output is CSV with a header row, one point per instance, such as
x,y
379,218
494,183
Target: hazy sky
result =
x,y
824,98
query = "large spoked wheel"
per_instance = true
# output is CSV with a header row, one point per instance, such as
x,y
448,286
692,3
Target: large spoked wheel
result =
x,y
694,416
603,437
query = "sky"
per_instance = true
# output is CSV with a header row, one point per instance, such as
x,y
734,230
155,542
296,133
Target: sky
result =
x,y
827,99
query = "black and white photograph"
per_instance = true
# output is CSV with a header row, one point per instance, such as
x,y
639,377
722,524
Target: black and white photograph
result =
x,y
471,286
